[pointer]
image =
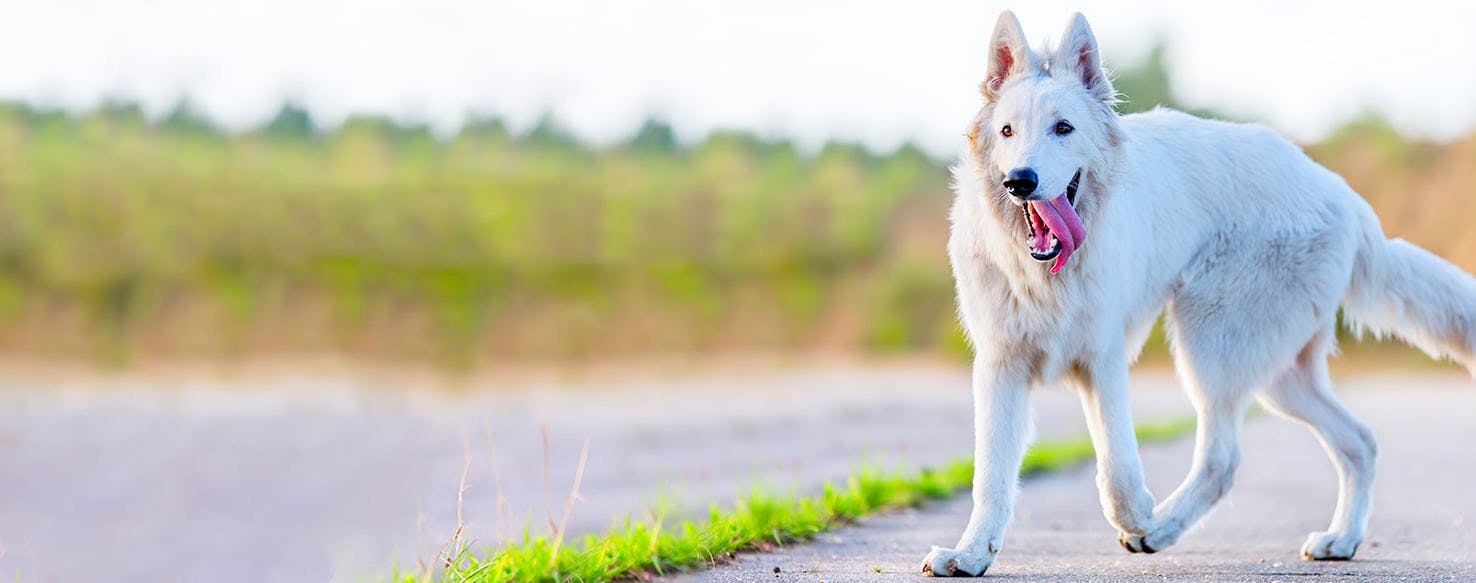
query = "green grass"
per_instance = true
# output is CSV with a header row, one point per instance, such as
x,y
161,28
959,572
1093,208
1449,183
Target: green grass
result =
x,y
758,521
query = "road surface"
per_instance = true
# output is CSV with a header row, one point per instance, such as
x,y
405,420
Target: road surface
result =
x,y
1423,526
308,477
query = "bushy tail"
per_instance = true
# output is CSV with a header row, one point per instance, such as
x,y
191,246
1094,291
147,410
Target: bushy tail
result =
x,y
1402,290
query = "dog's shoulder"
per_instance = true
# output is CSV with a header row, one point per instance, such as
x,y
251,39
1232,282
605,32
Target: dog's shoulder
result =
x,y
1166,123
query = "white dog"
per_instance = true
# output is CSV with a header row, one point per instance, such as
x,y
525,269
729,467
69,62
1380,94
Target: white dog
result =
x,y
1074,228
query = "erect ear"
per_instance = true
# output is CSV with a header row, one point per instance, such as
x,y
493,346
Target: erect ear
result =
x,y
1078,56
1008,54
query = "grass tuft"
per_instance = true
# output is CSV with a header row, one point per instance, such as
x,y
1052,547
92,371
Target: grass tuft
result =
x,y
758,521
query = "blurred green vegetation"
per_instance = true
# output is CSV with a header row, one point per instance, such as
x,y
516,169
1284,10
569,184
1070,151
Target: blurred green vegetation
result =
x,y
118,235
123,237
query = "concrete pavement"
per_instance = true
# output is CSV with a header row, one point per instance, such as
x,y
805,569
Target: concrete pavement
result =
x,y
1423,526
312,477
319,478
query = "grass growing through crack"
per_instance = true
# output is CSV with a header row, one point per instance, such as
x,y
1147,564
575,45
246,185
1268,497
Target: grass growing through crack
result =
x,y
636,549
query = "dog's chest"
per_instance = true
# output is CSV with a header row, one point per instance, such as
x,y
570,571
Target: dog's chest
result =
x,y
1039,320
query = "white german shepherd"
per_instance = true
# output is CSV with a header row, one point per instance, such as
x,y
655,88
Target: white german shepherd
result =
x,y
1074,228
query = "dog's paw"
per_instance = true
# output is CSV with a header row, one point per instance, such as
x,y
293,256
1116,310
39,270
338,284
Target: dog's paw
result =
x,y
943,562
1330,546
1157,540
1135,543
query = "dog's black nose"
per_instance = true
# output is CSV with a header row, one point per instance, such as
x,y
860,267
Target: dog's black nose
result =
x,y
1020,182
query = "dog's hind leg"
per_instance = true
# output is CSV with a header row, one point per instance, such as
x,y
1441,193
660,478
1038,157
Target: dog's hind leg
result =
x,y
1304,394
1246,309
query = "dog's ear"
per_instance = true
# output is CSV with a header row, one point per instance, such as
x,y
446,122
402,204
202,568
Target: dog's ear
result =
x,y
1009,55
1078,55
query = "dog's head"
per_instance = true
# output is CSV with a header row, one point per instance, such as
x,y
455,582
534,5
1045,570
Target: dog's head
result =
x,y
1044,140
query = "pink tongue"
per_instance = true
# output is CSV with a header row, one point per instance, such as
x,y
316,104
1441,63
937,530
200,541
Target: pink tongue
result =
x,y
1061,218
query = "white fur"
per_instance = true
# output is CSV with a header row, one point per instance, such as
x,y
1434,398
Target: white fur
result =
x,y
1245,243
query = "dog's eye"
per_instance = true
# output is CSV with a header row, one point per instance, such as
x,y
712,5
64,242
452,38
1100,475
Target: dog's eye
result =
x,y
1063,128
1006,131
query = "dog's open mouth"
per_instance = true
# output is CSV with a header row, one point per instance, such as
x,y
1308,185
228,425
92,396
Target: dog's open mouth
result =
x,y
1055,231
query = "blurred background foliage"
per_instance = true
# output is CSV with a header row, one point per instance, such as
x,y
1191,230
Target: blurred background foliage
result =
x,y
123,237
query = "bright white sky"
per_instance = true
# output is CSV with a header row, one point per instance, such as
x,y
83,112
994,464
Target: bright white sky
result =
x,y
879,72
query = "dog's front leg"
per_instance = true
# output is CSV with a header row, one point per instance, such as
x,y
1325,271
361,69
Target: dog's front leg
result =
x,y
1001,428
1126,502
